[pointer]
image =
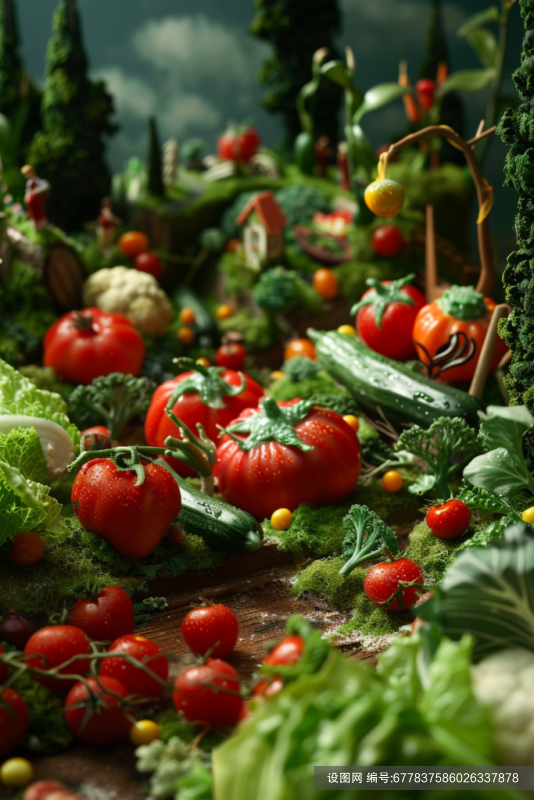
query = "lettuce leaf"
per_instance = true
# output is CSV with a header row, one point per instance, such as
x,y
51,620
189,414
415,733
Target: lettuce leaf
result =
x,y
21,448
26,505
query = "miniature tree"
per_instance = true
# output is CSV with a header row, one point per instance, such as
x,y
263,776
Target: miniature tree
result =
x,y
515,130
69,151
155,165
296,29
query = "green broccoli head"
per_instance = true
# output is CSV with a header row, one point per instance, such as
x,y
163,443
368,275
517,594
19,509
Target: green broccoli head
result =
x,y
280,290
112,400
300,368
446,447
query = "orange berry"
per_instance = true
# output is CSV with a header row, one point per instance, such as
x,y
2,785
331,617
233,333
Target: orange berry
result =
x,y
351,420
392,481
204,362
225,311
186,336
133,243
325,283
300,347
187,316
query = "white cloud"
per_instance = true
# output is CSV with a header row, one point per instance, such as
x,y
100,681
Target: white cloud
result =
x,y
189,111
133,96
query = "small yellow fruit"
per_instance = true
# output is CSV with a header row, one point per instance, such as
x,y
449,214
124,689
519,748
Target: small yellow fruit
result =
x,y
144,732
351,420
204,362
225,311
385,197
528,515
186,336
187,316
281,519
277,375
16,772
348,330
392,481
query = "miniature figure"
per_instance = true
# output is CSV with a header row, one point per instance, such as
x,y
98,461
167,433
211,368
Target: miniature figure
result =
x,y
107,225
36,190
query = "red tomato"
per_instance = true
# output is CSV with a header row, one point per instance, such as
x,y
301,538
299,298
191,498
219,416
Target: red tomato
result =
x,y
382,581
203,628
231,356
288,651
4,669
54,645
105,617
325,283
136,680
238,144
267,687
387,241
150,263
190,408
82,345
96,438
106,724
274,475
13,720
390,333
28,548
424,90
199,694
15,630
133,243
132,519
449,520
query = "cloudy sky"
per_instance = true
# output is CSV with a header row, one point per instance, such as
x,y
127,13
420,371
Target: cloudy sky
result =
x,y
193,64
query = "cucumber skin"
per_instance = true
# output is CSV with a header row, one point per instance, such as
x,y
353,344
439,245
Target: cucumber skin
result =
x,y
222,526
366,375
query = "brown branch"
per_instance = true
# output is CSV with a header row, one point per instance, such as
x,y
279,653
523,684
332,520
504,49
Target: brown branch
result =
x,y
486,354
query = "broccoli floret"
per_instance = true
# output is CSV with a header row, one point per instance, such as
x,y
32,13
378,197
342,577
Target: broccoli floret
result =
x,y
446,447
112,401
300,368
299,203
366,537
341,403
279,290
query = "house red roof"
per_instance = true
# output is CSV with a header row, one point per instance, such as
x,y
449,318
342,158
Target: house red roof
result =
x,y
267,209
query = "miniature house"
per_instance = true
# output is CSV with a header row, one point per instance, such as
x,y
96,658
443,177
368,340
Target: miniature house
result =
x,y
263,236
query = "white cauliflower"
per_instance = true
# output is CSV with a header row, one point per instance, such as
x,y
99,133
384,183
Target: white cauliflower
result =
x,y
503,682
134,294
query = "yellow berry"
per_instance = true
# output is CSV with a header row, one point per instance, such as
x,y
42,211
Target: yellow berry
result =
x,y
351,420
204,362
392,481
186,336
281,519
277,375
144,732
16,772
528,515
225,311
348,330
385,197
187,316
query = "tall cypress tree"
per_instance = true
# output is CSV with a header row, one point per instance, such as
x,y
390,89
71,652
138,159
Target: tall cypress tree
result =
x,y
517,131
296,29
155,166
70,149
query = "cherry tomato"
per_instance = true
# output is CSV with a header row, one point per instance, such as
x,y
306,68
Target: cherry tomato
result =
x,y
231,356
133,243
186,336
325,283
424,90
449,520
96,438
238,144
144,732
54,645
213,629
106,724
28,548
418,622
4,669
16,773
288,651
225,311
387,241
347,330
150,263
300,347
209,694
382,581
83,345
526,516
105,617
176,534
281,519
187,316
13,720
353,421
203,361
136,680
15,630
385,198
132,519
392,481
268,688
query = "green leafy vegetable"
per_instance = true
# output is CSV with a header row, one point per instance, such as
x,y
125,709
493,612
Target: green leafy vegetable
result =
x,y
26,505
367,537
280,290
300,368
21,448
446,446
47,731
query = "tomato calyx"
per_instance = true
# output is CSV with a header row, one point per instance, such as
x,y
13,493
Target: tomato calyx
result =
x,y
383,295
83,322
463,302
398,594
207,382
271,424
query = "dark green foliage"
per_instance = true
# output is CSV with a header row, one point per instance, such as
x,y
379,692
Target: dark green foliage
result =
x,y
155,178
295,29
300,368
299,203
10,62
280,290
341,403
69,151
517,132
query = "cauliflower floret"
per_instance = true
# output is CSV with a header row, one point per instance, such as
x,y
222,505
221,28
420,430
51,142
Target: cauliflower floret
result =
x,y
503,682
134,294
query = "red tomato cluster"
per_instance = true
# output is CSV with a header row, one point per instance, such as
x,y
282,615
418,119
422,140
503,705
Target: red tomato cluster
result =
x,y
135,245
238,144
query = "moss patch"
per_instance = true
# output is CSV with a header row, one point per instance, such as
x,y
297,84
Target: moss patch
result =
x,y
313,530
431,553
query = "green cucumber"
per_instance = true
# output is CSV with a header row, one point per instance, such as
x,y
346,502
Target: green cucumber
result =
x,y
378,382
221,525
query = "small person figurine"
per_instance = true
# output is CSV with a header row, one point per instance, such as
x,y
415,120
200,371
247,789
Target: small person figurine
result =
x,y
343,165
36,190
107,225
322,153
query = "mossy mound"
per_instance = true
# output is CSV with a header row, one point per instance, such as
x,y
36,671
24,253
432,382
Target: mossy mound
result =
x,y
431,553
